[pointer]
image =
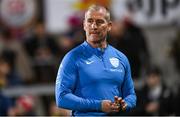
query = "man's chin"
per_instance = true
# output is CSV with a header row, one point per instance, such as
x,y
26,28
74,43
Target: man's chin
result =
x,y
95,37
96,40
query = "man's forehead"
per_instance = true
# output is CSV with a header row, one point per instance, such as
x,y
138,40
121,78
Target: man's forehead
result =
x,y
102,11
96,14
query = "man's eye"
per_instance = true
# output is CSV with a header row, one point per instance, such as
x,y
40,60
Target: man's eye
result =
x,y
90,21
100,22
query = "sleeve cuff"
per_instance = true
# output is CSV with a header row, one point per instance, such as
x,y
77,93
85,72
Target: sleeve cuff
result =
x,y
98,105
128,108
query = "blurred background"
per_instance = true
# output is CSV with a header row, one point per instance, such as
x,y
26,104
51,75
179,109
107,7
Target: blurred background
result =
x,y
36,34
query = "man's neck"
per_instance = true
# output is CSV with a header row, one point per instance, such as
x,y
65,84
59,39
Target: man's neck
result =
x,y
100,44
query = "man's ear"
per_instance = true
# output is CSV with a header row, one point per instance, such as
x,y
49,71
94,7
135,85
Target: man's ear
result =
x,y
109,26
84,26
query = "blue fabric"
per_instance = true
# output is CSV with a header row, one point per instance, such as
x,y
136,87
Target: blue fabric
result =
x,y
5,104
89,75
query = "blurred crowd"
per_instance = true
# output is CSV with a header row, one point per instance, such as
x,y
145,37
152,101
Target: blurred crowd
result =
x,y
31,55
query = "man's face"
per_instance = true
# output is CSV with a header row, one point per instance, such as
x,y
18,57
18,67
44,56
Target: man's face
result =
x,y
96,26
153,80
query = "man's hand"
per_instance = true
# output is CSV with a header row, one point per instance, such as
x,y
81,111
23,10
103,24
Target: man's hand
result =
x,y
109,107
112,107
120,102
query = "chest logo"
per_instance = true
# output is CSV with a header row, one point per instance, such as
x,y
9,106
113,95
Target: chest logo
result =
x,y
114,62
89,62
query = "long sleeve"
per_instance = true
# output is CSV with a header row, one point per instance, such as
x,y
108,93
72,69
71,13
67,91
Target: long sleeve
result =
x,y
65,87
128,88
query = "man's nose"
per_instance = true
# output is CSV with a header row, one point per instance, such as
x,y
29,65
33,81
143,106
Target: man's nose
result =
x,y
94,25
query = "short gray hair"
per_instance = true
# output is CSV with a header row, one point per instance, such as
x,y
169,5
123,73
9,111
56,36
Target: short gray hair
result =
x,y
98,8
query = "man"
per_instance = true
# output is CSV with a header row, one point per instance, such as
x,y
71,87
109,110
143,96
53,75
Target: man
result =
x,y
155,98
95,78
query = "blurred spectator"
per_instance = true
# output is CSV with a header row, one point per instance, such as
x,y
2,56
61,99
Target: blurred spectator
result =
x,y
129,38
175,53
6,104
40,41
44,66
176,50
14,48
76,31
24,106
65,44
8,74
177,101
43,49
155,98
74,36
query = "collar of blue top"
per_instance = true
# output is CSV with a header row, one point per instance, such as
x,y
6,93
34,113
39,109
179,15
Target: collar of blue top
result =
x,y
97,51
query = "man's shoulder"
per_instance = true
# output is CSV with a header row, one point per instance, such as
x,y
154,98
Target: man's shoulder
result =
x,y
118,52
